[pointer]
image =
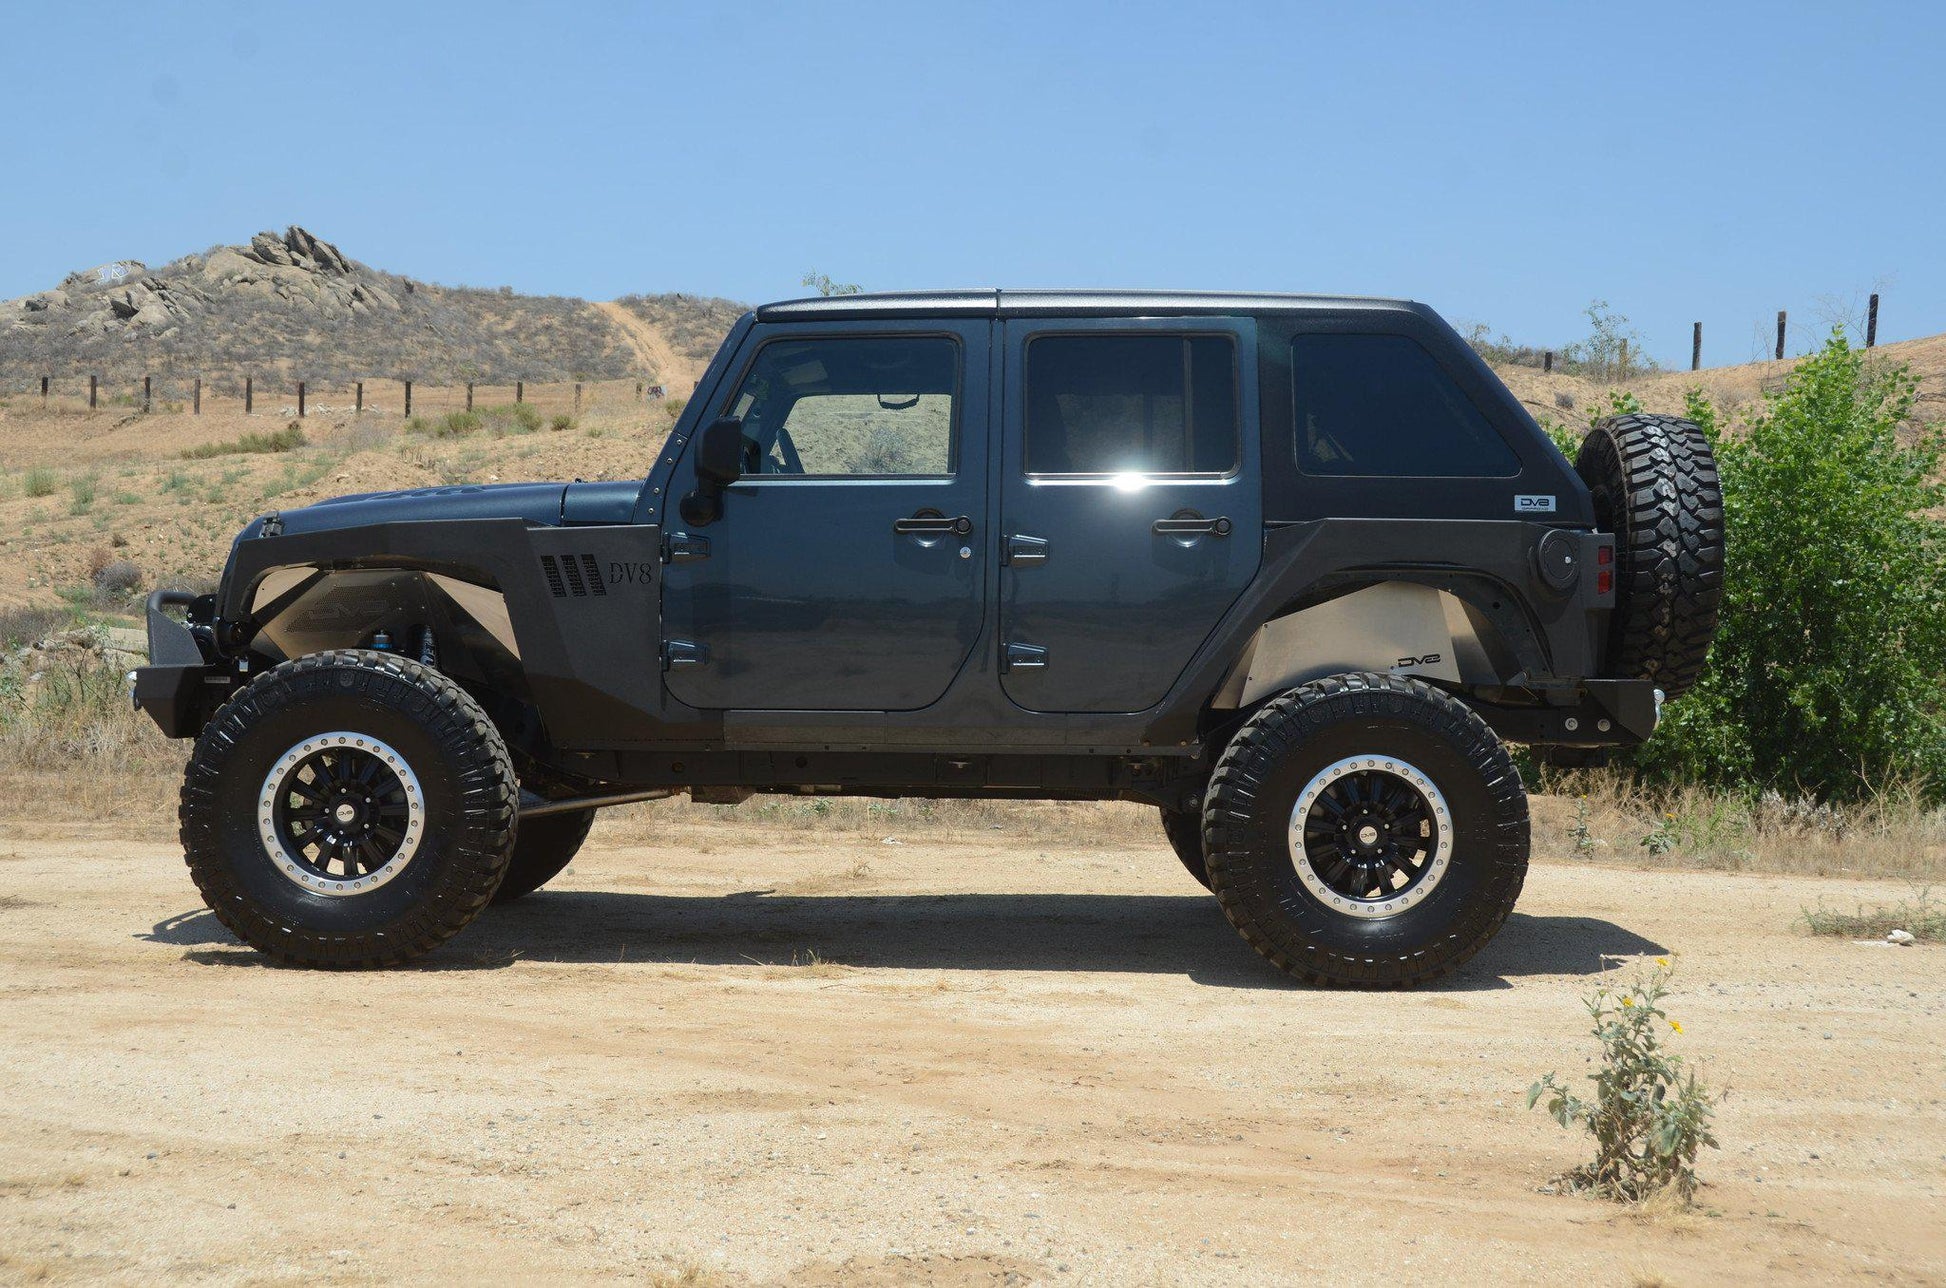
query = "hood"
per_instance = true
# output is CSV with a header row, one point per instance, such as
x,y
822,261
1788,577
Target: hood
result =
x,y
537,503
545,505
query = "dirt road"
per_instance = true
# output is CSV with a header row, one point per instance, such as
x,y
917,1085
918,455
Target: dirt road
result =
x,y
990,1060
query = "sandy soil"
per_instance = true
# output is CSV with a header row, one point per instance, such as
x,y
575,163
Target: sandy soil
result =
x,y
992,1062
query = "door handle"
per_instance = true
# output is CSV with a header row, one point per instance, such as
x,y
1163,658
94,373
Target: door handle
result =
x,y
1024,657
1026,552
1180,526
935,524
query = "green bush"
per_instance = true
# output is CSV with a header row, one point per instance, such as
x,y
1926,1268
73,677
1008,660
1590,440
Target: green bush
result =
x,y
39,482
1649,1115
1829,672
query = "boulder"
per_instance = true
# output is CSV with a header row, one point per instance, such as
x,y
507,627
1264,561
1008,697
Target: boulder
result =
x,y
268,248
304,244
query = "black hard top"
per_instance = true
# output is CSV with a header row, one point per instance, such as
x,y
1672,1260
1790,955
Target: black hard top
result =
x,y
1011,303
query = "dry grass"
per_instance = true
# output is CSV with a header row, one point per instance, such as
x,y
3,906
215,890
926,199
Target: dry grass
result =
x,y
1922,916
1601,817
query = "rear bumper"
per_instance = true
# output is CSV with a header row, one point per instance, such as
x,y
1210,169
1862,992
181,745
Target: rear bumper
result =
x,y
1610,713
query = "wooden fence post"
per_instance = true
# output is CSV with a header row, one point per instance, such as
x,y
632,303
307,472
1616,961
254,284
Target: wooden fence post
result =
x,y
577,397
249,394
520,391
638,391
44,383
199,396
94,383
1696,348
469,395
408,400
1547,361
1871,326
1780,335
300,399
146,396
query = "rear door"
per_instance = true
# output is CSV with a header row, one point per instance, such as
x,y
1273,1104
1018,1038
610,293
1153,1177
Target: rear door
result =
x,y
1130,513
847,571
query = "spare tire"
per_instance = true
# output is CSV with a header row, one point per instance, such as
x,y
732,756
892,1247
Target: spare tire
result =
x,y
1655,487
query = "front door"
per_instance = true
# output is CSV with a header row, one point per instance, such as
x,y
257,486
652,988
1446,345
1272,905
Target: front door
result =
x,y
1130,512
847,569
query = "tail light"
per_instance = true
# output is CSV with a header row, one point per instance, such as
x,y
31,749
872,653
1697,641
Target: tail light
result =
x,y
1605,570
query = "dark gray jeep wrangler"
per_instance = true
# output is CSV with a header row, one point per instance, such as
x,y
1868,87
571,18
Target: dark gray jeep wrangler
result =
x,y
1291,569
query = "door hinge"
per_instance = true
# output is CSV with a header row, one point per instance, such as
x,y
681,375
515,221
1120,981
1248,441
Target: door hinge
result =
x,y
1024,657
1025,552
680,547
677,653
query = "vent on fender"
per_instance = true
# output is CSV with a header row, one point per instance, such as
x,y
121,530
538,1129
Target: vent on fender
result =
x,y
576,576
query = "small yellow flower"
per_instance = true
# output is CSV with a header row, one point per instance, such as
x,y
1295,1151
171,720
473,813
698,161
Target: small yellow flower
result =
x,y
1628,1001
1674,1025
1662,961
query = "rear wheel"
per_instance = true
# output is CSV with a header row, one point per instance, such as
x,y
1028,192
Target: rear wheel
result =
x,y
348,809
1184,828
1366,829
1654,484
542,848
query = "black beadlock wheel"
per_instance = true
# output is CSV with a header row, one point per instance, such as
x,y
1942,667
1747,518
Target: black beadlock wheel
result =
x,y
1184,828
348,809
542,848
1654,483
1366,830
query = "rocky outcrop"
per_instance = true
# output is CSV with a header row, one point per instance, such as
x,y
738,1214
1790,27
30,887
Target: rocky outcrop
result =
x,y
294,306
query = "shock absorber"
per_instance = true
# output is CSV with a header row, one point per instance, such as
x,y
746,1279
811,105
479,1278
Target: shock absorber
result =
x,y
428,648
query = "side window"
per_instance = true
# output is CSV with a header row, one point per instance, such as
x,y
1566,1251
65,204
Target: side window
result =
x,y
850,405
1131,404
1381,405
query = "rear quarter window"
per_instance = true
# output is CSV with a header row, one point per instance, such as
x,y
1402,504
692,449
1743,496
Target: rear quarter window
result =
x,y
1381,405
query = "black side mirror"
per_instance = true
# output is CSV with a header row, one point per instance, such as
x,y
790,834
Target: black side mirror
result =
x,y
719,463
719,457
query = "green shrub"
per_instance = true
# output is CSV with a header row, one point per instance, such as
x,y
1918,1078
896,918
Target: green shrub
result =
x,y
457,424
561,422
281,440
1829,671
38,482
83,489
1649,1115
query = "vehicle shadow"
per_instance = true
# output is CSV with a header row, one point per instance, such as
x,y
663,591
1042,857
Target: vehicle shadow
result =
x,y
1145,934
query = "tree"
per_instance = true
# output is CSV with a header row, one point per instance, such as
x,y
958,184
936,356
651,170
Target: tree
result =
x,y
1829,671
823,285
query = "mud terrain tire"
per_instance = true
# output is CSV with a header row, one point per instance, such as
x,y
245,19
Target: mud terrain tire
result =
x,y
1655,487
1184,828
347,718
1373,753
542,848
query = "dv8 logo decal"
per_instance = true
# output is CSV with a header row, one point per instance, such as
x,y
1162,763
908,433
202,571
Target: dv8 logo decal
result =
x,y
1526,504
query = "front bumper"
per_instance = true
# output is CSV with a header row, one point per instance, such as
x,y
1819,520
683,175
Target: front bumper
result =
x,y
180,686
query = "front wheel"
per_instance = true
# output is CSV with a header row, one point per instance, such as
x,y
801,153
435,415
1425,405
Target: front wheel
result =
x,y
1366,829
543,848
348,809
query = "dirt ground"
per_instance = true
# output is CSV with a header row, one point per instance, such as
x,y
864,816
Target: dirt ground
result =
x,y
740,1054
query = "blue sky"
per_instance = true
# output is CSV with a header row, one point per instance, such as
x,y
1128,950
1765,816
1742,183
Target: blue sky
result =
x,y
1505,163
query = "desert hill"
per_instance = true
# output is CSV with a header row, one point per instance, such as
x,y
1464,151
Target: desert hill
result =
x,y
295,307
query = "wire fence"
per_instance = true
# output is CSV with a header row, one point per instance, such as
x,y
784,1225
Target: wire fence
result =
x,y
197,395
